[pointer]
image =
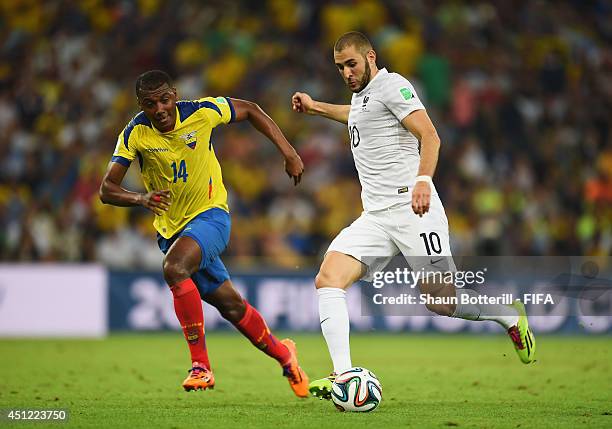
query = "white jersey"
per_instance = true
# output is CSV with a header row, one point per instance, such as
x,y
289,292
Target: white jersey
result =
x,y
386,154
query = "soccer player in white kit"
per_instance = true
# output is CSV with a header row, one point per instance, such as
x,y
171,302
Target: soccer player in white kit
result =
x,y
395,147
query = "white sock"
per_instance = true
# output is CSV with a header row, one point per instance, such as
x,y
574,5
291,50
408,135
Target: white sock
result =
x,y
334,319
503,314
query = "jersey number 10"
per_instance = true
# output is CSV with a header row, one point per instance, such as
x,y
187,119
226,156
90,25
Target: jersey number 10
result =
x,y
181,172
354,135
432,242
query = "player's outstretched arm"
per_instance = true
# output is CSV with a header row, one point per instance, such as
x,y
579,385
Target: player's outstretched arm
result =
x,y
247,110
303,103
419,124
112,193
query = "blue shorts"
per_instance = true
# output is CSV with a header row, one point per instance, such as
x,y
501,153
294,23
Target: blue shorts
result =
x,y
211,230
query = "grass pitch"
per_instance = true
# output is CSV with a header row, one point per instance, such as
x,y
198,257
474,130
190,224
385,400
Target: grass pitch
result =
x,y
439,381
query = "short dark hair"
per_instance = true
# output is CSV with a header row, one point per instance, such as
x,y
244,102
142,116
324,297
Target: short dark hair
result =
x,y
151,80
356,39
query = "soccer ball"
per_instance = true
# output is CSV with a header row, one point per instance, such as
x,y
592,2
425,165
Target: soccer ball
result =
x,y
356,389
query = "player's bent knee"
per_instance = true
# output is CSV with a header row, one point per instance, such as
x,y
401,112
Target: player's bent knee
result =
x,y
233,311
175,272
442,292
327,279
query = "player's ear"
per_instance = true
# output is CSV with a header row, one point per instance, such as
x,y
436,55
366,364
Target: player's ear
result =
x,y
371,56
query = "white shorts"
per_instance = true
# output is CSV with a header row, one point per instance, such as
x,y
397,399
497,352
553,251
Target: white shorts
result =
x,y
377,236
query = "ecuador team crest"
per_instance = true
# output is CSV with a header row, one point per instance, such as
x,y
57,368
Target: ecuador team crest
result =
x,y
190,139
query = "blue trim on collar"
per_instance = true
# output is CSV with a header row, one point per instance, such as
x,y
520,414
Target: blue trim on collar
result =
x,y
140,119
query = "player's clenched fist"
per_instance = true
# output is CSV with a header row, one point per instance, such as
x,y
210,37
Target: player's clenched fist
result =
x,y
301,102
157,201
294,168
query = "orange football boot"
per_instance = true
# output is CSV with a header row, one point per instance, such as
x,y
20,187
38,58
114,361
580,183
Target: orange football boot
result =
x,y
298,380
199,378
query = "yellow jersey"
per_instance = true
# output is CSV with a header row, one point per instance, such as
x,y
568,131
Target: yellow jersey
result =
x,y
182,160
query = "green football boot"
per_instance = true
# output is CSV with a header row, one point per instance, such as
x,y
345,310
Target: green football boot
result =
x,y
322,388
521,336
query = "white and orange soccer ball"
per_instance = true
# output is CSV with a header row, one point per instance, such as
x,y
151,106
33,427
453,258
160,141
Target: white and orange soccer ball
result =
x,y
356,389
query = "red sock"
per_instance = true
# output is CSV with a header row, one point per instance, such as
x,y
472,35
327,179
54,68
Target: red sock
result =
x,y
188,308
254,327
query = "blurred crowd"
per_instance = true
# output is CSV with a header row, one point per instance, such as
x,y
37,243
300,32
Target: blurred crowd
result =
x,y
520,92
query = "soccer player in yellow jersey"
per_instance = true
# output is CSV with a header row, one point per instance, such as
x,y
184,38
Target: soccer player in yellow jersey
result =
x,y
172,141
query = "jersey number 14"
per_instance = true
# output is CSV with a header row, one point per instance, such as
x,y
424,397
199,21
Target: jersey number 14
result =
x,y
181,173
